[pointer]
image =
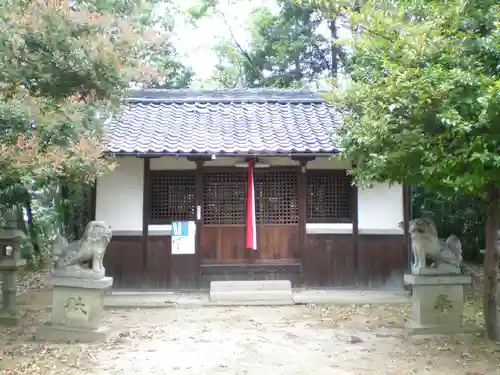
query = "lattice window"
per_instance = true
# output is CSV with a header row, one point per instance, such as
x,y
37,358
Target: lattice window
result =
x,y
276,197
329,197
173,197
224,197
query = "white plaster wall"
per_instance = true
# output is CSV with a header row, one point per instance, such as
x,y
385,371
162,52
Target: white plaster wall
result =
x,y
380,208
119,195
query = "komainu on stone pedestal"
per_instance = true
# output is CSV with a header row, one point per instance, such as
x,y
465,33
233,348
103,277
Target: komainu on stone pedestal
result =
x,y
69,257
438,304
445,255
78,291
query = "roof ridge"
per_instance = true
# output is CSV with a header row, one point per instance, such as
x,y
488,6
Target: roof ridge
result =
x,y
225,96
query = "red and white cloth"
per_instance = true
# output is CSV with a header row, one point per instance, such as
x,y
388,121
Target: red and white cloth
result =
x,y
251,230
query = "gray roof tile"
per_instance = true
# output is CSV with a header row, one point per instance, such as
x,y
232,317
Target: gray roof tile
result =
x,y
224,122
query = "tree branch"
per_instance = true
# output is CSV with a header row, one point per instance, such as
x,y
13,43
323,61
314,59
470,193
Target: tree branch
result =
x,y
241,50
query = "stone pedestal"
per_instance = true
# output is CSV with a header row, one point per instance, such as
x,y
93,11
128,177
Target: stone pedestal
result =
x,y
77,309
437,304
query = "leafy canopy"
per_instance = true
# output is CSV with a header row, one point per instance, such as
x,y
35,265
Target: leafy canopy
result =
x,y
63,71
289,46
424,102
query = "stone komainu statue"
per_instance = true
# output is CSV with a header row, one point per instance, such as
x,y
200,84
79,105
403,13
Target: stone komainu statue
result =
x,y
69,257
446,255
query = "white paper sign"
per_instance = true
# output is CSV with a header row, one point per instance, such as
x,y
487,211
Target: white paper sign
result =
x,y
183,237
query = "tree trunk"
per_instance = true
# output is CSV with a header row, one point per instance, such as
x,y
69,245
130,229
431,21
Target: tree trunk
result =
x,y
33,235
491,264
65,214
333,33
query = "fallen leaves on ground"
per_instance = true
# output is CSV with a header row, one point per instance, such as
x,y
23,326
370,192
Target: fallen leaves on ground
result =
x,y
29,282
467,350
36,359
368,316
20,355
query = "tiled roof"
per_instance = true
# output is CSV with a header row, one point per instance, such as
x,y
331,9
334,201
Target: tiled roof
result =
x,y
224,122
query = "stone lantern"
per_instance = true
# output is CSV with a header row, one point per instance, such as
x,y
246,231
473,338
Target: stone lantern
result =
x,y
10,264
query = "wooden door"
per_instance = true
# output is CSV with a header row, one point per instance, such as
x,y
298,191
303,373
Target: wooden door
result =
x,y
172,198
222,236
277,214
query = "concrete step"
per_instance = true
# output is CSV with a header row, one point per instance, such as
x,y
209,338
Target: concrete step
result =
x,y
250,285
252,292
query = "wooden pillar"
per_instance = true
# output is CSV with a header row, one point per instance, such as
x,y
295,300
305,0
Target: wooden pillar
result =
x,y
302,191
406,223
199,160
146,208
199,214
355,230
302,202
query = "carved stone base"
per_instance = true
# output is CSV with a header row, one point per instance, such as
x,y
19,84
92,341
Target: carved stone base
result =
x,y
444,269
77,307
78,272
437,303
413,328
54,333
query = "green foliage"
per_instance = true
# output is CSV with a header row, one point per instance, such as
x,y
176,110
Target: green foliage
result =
x,y
63,72
424,103
459,214
60,68
287,49
40,228
423,107
203,8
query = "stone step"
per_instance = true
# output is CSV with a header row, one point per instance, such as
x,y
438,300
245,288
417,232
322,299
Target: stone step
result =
x,y
253,292
250,285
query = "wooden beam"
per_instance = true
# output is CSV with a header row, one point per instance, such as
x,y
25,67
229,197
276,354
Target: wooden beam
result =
x,y
199,158
146,211
302,158
147,157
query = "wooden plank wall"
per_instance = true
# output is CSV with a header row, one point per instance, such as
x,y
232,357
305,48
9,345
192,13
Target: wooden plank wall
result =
x,y
331,260
278,242
383,260
222,243
124,257
226,243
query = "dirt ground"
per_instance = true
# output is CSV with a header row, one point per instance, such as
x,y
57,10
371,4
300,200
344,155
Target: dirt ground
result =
x,y
347,340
